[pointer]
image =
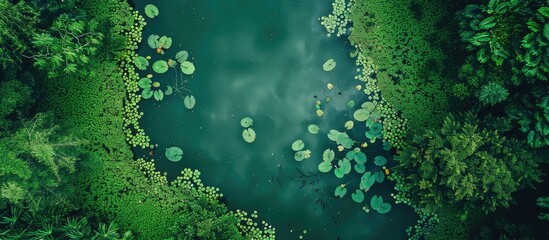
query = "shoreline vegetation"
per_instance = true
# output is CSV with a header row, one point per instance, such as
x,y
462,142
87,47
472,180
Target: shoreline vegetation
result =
x,y
462,90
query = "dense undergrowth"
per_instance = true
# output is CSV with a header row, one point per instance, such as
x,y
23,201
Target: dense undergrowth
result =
x,y
470,81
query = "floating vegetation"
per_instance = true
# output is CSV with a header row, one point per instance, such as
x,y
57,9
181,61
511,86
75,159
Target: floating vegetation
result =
x,y
248,135
351,104
329,65
151,11
141,63
319,113
377,204
182,56
158,95
174,154
298,145
330,86
189,101
246,122
349,125
358,196
300,154
313,128
340,191
187,67
147,85
380,160
160,66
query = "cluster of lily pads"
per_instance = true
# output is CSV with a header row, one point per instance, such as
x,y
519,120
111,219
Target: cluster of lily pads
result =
x,y
248,134
370,114
300,154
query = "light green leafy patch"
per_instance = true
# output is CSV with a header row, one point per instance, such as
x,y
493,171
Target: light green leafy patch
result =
x,y
160,66
174,154
329,65
248,135
151,11
189,101
246,122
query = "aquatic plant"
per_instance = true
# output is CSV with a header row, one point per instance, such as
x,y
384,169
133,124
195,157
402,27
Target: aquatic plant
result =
x,y
248,135
189,101
182,56
147,85
160,66
329,65
313,128
298,145
376,202
151,11
141,63
187,67
246,122
300,154
174,154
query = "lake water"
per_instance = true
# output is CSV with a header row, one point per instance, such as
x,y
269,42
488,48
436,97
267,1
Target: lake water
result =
x,y
263,59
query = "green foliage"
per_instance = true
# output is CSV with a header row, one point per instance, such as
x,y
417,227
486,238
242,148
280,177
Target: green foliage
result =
x,y
535,44
174,154
543,202
492,93
189,101
67,46
17,25
465,164
14,96
151,11
531,113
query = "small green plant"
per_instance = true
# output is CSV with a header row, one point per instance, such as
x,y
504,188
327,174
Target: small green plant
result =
x,y
174,154
151,11
492,93
329,65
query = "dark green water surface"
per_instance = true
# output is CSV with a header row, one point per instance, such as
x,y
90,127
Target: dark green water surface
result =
x,y
264,59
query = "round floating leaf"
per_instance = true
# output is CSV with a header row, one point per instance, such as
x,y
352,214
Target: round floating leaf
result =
x,y
158,95
319,113
349,124
361,115
246,122
248,135
313,128
344,140
351,104
376,201
376,128
376,115
344,166
369,135
329,65
330,86
384,208
339,173
333,134
340,191
174,154
298,145
328,155
358,196
160,66
350,155
387,146
380,160
172,63
151,11
299,156
182,56
141,63
325,167
147,93
360,157
368,106
307,153
360,168
189,102
145,83
169,91
367,180
164,42
153,41
380,177
187,67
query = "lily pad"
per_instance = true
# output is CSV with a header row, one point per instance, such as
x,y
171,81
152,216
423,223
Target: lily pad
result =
x,y
319,113
169,91
246,122
248,135
158,95
376,115
360,157
333,134
376,201
174,154
380,160
360,168
325,167
145,83
298,145
344,166
160,66
187,67
147,93
329,65
384,208
141,63
313,128
351,104
344,140
358,196
299,156
328,155
376,128
387,146
153,41
367,180
349,125
361,115
339,173
340,191
368,106
189,101
172,63
307,154
151,11
380,176
182,56
164,42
